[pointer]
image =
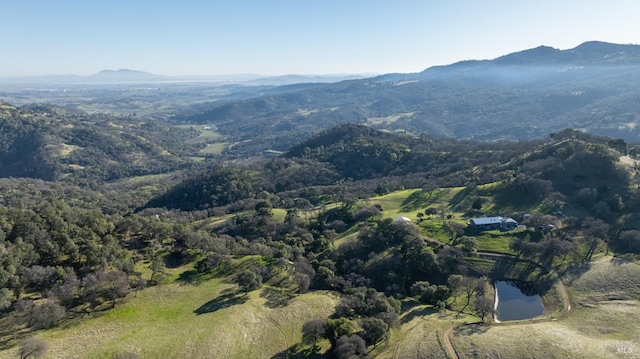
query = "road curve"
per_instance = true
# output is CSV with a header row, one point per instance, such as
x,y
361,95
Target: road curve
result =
x,y
451,351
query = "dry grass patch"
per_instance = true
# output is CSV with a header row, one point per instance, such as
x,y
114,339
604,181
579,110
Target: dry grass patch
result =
x,y
388,119
420,334
214,148
540,340
305,112
209,320
607,276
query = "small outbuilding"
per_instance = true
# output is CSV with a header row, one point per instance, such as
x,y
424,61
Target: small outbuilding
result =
x,y
509,224
402,220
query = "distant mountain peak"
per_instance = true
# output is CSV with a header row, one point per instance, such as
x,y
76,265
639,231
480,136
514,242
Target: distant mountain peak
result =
x,y
123,72
598,46
587,53
540,53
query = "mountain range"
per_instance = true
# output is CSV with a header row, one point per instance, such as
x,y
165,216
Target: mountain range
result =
x,y
525,95
529,94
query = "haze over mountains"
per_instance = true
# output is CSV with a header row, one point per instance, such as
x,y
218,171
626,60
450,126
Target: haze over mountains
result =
x,y
528,94
593,87
127,76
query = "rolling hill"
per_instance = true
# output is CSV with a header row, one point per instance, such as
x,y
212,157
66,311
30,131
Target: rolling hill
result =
x,y
50,143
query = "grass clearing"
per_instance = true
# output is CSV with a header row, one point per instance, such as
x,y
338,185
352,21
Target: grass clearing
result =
x,y
420,334
214,148
279,214
497,241
66,149
207,135
410,202
208,320
388,119
305,112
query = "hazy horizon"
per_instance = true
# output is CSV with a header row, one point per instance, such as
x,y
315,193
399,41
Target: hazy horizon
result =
x,y
293,37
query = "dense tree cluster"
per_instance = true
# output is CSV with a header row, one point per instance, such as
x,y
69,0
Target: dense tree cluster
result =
x,y
73,258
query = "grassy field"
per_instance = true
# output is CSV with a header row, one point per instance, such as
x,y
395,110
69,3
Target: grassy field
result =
x,y
214,148
603,322
497,241
455,201
389,119
410,202
214,140
209,320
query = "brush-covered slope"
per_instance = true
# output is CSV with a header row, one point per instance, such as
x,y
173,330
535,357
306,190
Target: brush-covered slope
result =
x,y
50,143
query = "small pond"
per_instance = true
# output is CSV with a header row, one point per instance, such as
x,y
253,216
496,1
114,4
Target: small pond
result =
x,y
513,304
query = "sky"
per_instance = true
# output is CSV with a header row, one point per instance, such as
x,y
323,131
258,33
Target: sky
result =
x,y
277,37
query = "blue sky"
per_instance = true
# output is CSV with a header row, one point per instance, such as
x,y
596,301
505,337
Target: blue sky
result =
x,y
272,37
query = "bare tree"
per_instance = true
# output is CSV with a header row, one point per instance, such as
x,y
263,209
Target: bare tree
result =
x,y
32,347
46,315
595,231
483,306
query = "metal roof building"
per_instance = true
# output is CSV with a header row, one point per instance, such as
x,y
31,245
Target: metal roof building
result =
x,y
487,223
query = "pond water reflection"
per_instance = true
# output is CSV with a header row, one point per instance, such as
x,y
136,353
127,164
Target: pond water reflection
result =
x,y
512,304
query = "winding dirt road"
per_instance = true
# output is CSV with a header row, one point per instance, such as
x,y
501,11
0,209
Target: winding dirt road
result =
x,y
451,351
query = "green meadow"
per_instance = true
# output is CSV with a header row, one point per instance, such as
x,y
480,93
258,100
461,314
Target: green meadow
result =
x,y
177,320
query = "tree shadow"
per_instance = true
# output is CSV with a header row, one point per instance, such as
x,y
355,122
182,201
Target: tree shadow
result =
x,y
501,267
12,330
176,259
471,329
195,277
419,200
418,312
575,271
459,198
625,258
191,276
221,302
9,338
296,352
276,297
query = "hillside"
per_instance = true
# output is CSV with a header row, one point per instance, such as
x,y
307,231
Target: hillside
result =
x,y
370,162
518,96
51,143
